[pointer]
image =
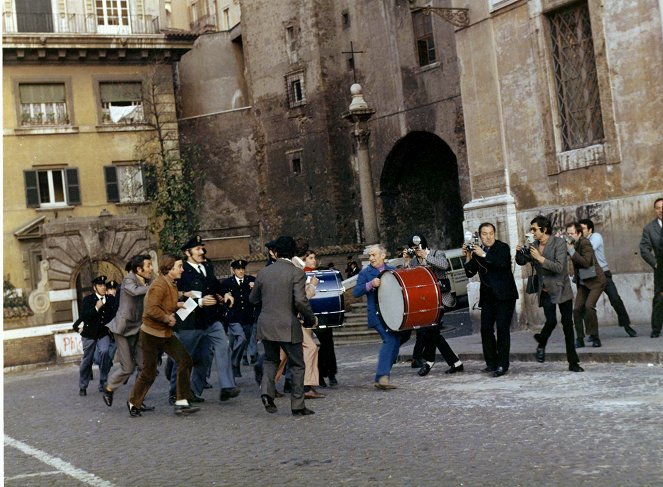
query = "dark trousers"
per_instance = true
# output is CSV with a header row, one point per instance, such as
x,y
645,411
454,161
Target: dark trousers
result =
x,y
566,310
418,350
616,300
657,312
496,316
152,347
433,339
326,353
584,310
295,354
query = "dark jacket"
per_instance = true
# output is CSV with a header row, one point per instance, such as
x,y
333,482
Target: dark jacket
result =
x,y
553,273
583,257
242,311
366,275
94,321
193,280
497,282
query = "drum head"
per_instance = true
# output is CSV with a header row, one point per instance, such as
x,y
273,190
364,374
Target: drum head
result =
x,y
390,301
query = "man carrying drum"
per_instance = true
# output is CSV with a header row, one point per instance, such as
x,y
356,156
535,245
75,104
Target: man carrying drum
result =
x,y
368,282
419,254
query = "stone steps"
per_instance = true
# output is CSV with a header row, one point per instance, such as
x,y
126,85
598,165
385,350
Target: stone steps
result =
x,y
355,329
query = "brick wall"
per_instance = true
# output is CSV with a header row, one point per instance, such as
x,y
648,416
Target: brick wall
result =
x,y
31,350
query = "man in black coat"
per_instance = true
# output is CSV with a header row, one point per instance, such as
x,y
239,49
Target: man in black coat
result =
x,y
498,295
98,309
241,318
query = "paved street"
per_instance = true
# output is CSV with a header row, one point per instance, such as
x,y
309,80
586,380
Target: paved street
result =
x,y
539,425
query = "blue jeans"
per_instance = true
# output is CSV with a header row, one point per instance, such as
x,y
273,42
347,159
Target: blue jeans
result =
x,y
391,343
218,340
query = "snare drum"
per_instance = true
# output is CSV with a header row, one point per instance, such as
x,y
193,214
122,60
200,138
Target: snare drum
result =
x,y
409,298
328,303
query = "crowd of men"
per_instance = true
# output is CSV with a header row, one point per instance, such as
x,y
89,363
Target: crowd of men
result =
x,y
199,320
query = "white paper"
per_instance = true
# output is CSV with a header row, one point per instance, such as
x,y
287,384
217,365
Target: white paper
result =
x,y
196,294
189,306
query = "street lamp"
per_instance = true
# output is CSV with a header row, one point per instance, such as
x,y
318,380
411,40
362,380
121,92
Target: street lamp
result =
x,y
358,114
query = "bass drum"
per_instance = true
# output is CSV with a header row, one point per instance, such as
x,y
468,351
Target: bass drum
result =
x,y
328,303
409,298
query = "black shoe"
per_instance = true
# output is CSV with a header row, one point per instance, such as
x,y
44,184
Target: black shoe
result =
x,y
268,402
540,354
499,372
172,399
108,397
590,339
453,369
630,331
143,408
207,385
580,342
196,399
596,342
332,381
185,409
655,334
302,412
257,370
244,361
254,359
133,410
228,393
287,387
490,368
425,369
322,382
417,364
101,387
575,368
82,392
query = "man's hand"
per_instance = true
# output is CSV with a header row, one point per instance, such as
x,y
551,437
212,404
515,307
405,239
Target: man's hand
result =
x,y
98,304
375,282
314,281
228,298
536,255
466,253
209,300
171,320
251,284
181,304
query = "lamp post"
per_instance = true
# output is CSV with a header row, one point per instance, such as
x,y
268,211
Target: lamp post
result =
x,y
358,114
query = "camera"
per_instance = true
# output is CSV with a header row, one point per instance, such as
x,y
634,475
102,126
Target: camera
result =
x,y
529,240
471,240
569,240
411,252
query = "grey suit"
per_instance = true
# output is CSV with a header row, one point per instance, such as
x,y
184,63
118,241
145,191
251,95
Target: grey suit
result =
x,y
554,289
651,244
125,327
279,291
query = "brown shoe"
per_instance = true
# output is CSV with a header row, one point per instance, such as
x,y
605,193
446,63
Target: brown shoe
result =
x,y
313,394
383,383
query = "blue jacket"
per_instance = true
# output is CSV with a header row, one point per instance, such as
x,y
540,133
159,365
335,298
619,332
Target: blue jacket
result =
x,y
366,275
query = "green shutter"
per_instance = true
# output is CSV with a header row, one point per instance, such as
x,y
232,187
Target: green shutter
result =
x,y
42,93
31,189
73,189
112,187
120,91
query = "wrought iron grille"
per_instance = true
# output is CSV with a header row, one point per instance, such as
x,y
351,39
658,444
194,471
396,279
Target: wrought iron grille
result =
x,y
575,77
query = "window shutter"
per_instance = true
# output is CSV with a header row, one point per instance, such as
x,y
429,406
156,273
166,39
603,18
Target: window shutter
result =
x,y
73,189
112,186
31,189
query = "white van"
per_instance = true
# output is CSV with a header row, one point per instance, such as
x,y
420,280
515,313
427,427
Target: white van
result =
x,y
456,273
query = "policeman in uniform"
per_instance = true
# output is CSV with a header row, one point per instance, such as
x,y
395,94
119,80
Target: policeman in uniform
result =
x,y
98,309
241,317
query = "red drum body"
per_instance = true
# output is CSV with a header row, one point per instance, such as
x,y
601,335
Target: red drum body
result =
x,y
409,298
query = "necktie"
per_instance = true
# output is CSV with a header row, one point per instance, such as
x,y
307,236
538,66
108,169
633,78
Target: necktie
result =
x,y
241,281
200,269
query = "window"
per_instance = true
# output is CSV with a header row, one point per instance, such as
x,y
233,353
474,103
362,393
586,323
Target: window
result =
x,y
226,19
124,184
576,82
291,44
295,89
423,36
295,158
43,104
121,102
51,188
34,16
345,19
112,16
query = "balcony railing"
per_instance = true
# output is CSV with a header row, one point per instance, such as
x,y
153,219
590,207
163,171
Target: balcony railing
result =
x,y
79,24
206,23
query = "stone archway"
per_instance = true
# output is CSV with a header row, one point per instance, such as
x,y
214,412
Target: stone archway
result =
x,y
420,192
76,248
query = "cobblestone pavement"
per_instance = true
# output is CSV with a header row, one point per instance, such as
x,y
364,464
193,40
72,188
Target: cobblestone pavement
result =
x,y
539,425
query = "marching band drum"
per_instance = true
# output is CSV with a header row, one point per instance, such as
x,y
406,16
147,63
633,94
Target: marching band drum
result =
x,y
328,303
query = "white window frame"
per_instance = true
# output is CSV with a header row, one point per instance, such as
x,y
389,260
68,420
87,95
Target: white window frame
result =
x,y
296,97
50,174
123,16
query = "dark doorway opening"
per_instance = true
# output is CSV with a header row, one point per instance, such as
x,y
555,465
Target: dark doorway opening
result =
x,y
420,193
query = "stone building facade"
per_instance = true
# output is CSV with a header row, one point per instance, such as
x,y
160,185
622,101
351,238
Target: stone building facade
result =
x,y
265,99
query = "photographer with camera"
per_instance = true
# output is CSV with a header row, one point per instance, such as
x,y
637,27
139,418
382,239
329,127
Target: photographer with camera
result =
x,y
590,283
549,257
497,298
420,254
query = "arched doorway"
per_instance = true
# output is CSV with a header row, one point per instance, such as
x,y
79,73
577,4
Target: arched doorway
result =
x,y
420,192
91,269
